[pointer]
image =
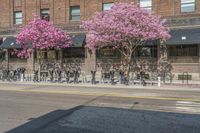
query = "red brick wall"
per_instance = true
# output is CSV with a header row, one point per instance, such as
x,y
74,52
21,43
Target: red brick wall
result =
x,y
5,13
59,9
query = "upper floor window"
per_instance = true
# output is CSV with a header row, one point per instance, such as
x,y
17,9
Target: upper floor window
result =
x,y
147,4
75,13
187,5
107,6
18,17
44,13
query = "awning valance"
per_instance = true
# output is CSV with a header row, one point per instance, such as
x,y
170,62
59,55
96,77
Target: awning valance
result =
x,y
184,36
10,43
78,40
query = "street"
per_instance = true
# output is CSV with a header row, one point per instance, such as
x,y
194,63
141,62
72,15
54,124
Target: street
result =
x,y
37,109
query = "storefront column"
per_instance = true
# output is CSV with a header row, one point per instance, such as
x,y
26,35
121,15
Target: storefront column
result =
x,y
90,62
60,57
7,59
199,59
31,64
158,52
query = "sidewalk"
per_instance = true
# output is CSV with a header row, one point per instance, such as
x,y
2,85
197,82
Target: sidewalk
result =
x,y
166,86
107,90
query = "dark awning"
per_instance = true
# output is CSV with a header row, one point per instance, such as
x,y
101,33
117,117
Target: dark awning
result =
x,y
184,36
10,43
78,40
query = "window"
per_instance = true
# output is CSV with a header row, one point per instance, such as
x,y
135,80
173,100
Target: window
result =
x,y
187,5
183,50
45,14
146,4
146,51
108,52
18,17
107,6
41,55
2,55
74,52
75,13
14,58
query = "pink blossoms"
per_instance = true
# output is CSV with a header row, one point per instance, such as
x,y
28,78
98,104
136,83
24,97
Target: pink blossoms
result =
x,y
124,27
40,35
124,23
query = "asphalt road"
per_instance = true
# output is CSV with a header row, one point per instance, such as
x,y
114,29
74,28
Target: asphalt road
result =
x,y
35,112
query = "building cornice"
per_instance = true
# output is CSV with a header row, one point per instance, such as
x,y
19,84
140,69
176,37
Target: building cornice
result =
x,y
68,28
172,22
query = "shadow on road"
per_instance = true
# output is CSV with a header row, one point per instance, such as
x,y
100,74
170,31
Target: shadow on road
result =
x,y
89,119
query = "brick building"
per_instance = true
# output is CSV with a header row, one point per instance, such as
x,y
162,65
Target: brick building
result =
x,y
183,49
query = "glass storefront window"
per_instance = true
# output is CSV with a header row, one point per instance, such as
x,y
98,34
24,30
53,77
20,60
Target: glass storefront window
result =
x,y
46,55
2,55
183,50
146,51
74,52
14,58
108,52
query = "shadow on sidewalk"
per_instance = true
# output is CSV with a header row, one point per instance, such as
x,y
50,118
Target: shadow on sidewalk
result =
x,y
88,119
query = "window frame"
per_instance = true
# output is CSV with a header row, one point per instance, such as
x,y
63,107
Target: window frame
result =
x,y
185,3
44,15
111,3
17,18
71,15
148,8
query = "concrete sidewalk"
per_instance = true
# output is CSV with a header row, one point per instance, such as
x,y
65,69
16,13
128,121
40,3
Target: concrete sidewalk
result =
x,y
167,86
98,90
175,86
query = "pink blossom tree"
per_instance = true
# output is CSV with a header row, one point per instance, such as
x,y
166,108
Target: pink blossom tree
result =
x,y
41,35
125,27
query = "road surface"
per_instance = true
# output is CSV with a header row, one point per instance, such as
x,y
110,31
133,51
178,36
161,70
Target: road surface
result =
x,y
37,111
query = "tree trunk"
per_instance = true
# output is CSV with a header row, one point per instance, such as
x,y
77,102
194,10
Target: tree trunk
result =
x,y
40,63
127,67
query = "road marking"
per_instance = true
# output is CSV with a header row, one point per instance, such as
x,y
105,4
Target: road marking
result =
x,y
110,95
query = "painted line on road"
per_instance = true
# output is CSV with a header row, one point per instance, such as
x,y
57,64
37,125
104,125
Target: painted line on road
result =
x,y
110,95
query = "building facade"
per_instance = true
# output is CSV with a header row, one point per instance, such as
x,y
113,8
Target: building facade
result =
x,y
183,49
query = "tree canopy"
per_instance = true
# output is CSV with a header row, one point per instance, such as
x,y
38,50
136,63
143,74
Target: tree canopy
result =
x,y
124,24
40,34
